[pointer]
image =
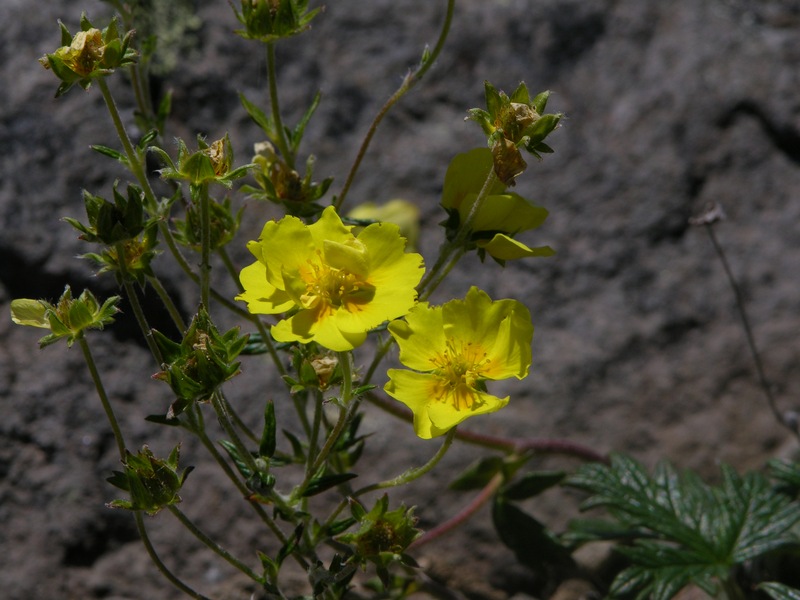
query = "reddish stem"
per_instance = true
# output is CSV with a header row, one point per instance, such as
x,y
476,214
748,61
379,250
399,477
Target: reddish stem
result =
x,y
465,513
509,445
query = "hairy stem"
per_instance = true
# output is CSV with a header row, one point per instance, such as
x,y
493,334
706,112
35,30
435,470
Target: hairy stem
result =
x,y
414,472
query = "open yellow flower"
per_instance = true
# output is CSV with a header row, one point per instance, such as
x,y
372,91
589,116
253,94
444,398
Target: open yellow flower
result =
x,y
453,349
335,285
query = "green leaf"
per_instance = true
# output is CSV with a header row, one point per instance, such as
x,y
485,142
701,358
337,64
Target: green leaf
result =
x,y
532,544
110,152
532,484
268,435
296,136
261,119
297,448
685,531
779,591
788,475
325,482
478,474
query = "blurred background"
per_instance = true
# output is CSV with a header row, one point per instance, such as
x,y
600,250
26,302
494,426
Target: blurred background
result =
x,y
669,107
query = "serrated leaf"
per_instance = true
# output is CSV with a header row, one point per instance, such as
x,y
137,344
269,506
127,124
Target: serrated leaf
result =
x,y
779,591
686,531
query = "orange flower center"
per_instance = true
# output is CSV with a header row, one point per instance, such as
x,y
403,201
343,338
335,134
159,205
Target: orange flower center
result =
x,y
335,288
459,369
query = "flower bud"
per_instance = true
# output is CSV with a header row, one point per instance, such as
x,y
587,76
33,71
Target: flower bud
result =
x,y
153,483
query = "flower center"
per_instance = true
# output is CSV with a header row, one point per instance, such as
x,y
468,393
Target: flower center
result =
x,y
335,288
460,369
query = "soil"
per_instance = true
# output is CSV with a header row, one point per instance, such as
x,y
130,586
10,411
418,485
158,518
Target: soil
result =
x,y
669,106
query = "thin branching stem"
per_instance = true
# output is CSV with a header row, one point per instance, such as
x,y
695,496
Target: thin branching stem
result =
x,y
410,80
216,548
173,311
101,392
748,331
507,445
205,244
162,568
133,300
414,472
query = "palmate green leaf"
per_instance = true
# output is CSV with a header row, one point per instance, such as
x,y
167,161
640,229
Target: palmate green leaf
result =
x,y
788,475
685,531
779,591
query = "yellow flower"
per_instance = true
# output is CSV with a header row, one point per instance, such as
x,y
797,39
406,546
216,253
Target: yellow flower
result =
x,y
453,349
499,218
336,286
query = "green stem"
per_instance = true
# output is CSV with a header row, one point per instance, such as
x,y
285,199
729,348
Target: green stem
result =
x,y
313,438
101,391
197,427
225,420
409,82
413,473
433,277
432,284
346,408
133,300
138,170
205,244
151,551
382,350
112,419
134,163
200,535
237,420
280,132
173,311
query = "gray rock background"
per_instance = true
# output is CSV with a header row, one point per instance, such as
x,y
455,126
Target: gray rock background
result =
x,y
638,348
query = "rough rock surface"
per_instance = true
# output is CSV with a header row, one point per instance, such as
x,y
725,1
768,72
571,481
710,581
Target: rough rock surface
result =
x,y
638,348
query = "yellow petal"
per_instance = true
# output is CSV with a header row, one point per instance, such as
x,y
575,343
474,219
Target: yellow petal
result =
x,y
509,213
414,390
446,414
261,297
420,337
29,312
503,247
